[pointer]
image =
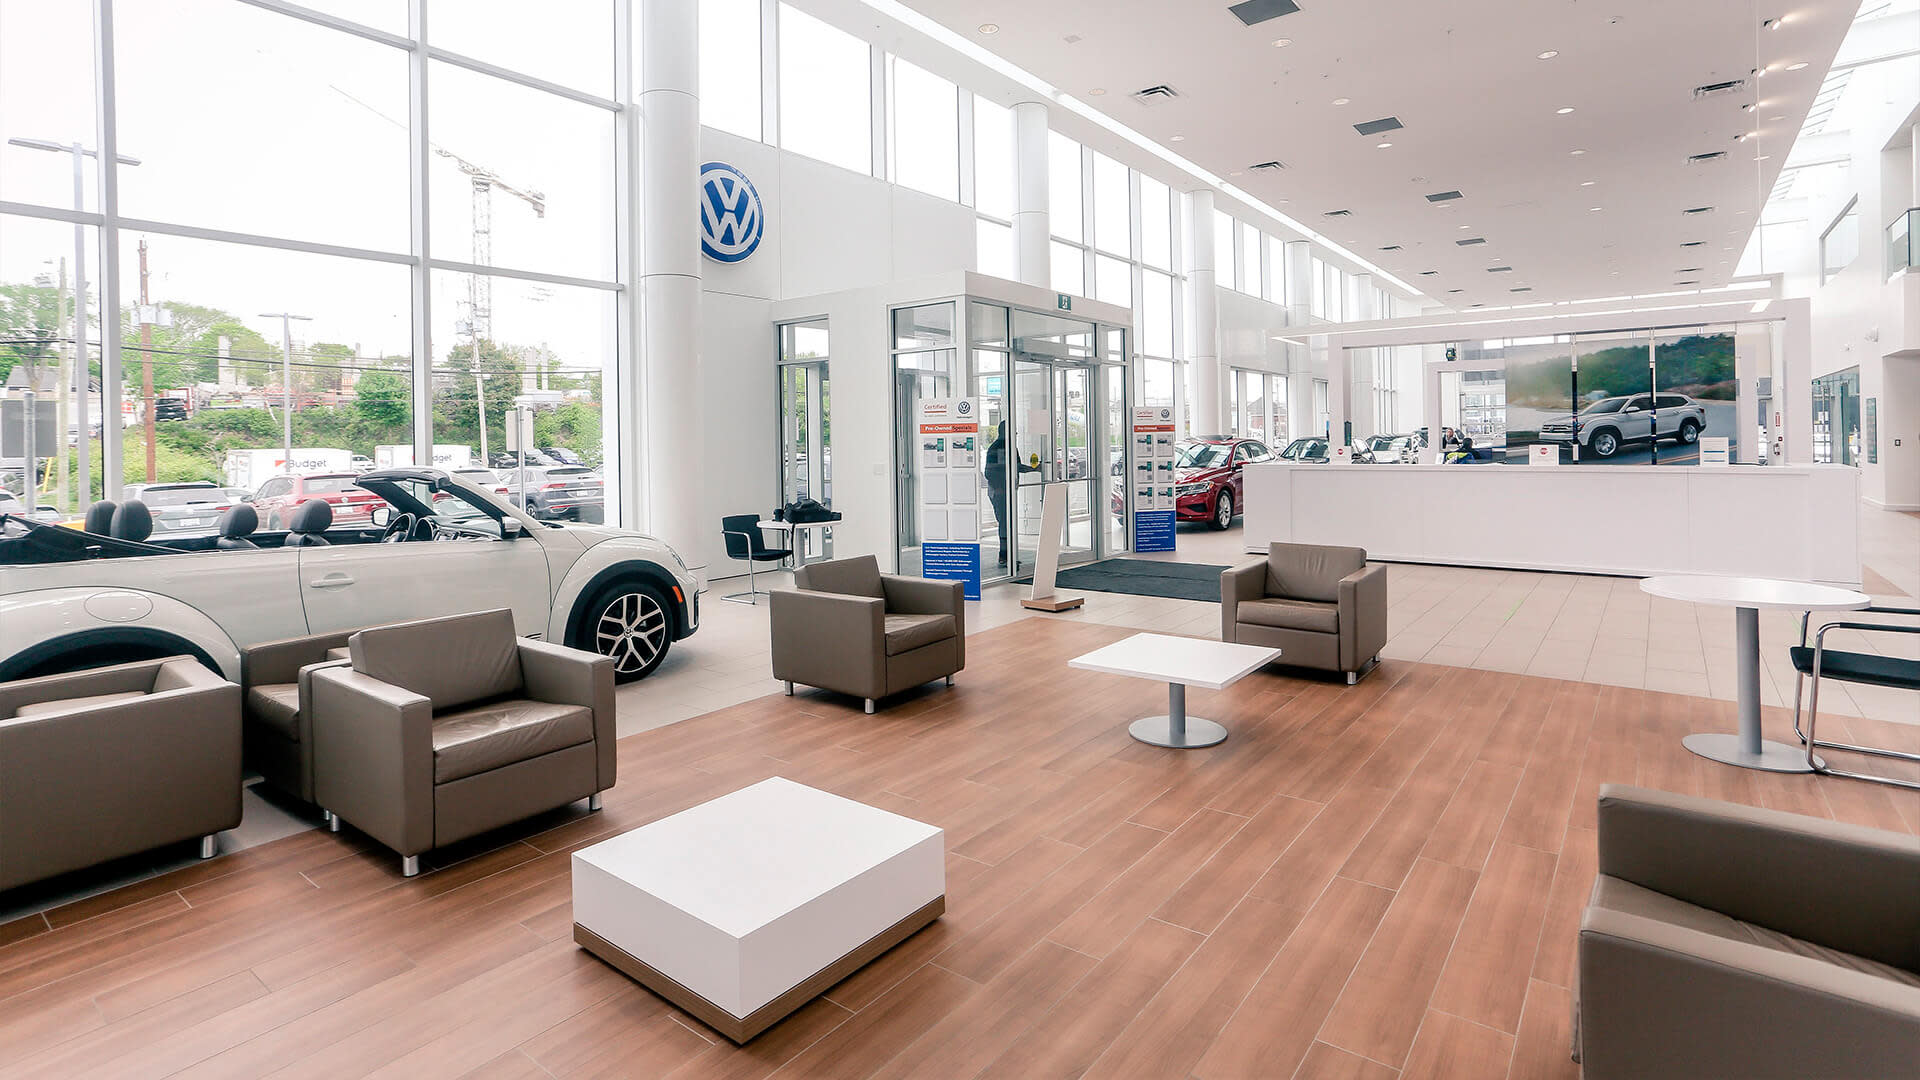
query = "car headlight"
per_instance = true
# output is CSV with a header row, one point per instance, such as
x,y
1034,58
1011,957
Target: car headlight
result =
x,y
1191,489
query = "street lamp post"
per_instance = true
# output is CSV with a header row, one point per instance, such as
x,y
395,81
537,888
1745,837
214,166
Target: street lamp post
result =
x,y
286,374
81,378
480,392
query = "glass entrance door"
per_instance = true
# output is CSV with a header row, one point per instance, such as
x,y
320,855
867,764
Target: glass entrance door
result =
x,y
1054,425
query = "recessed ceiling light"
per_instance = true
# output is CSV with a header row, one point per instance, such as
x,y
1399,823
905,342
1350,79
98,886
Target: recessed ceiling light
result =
x,y
1382,146
1796,67
1281,43
1096,92
1466,226
1235,172
1179,138
1548,55
1576,153
1341,100
1587,183
1564,110
989,28
1594,209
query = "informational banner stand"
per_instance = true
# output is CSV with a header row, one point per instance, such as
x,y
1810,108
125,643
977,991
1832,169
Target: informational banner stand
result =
x,y
1053,524
1152,453
948,453
1713,451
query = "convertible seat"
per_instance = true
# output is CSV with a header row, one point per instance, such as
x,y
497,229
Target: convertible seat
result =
x,y
99,519
132,521
906,633
236,524
485,737
311,520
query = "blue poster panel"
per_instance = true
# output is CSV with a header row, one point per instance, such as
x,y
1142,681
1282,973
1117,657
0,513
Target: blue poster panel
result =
x,y
951,561
1153,530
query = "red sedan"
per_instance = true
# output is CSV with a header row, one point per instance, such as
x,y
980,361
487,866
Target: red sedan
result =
x,y
279,497
1206,479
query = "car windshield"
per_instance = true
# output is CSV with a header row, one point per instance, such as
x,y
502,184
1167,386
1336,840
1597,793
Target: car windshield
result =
x,y
1299,448
570,471
1200,455
1608,405
321,485
180,496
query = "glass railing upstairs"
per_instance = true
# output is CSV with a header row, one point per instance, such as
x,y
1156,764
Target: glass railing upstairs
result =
x,y
1903,243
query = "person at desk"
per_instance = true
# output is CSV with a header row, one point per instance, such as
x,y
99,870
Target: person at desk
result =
x,y
995,466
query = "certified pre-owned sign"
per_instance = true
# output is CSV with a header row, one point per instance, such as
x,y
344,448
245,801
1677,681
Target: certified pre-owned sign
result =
x,y
731,217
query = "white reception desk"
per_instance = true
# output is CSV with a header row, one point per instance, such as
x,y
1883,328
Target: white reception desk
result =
x,y
1797,522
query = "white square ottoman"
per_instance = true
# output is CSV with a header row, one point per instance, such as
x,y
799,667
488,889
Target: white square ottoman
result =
x,y
742,909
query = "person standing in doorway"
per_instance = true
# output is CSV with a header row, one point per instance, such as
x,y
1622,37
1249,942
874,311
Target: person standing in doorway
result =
x,y
995,465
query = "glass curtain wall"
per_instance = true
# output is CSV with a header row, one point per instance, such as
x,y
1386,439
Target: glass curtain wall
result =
x,y
217,306
1836,418
806,425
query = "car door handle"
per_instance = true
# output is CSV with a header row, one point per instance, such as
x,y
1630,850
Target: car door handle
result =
x,y
332,581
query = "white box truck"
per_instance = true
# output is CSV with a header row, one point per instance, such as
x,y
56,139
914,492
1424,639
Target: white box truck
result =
x,y
448,456
249,469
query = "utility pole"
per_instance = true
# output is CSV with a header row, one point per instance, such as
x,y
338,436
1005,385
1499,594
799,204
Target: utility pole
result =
x,y
61,388
480,392
286,374
146,364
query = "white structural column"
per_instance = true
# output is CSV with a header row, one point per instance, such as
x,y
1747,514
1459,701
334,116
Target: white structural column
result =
x,y
668,388
1204,325
1361,302
1032,222
1298,256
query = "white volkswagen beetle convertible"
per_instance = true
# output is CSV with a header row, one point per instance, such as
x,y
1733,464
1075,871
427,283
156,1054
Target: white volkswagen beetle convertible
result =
x,y
71,599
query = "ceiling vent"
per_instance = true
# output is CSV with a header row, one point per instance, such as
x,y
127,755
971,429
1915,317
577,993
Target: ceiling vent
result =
x,y
1443,196
1731,86
1380,126
1696,211
1702,159
1391,247
1499,269
1255,12
1271,166
1338,213
1694,243
1155,95
1523,288
1689,281
1428,273
1471,240
1688,270
1450,292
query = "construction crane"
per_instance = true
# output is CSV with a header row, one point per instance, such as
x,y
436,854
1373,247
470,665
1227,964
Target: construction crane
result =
x,y
479,286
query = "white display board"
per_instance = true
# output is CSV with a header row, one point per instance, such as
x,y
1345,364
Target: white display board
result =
x,y
1543,454
1713,451
947,454
1150,477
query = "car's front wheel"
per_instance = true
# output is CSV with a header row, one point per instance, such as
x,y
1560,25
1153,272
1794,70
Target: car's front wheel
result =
x,y
1223,510
1605,444
630,622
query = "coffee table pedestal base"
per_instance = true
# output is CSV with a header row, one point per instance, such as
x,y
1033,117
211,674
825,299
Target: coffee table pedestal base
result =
x,y
1177,730
1726,749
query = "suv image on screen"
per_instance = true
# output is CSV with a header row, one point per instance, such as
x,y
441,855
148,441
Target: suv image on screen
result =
x,y
1611,423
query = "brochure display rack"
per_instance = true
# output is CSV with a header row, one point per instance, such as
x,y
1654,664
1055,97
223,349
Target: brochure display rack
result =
x,y
947,453
1150,476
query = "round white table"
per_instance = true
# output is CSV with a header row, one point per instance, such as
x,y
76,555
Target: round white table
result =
x,y
1747,596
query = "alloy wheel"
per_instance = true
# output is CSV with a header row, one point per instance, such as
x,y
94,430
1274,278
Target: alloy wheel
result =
x,y
632,629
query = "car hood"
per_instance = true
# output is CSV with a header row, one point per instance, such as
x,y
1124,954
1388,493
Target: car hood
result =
x,y
1192,476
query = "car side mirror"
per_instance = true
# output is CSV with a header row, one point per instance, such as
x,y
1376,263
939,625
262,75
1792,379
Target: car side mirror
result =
x,y
511,530
381,515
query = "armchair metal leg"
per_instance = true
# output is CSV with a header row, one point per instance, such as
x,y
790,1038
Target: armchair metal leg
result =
x,y
789,687
209,846
593,801
410,866
1352,677
752,595
869,705
333,821
949,680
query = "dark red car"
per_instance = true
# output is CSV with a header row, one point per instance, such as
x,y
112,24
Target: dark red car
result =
x,y
1206,477
277,499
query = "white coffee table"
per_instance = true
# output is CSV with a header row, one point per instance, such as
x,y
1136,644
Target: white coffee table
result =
x,y
742,909
1179,662
1747,596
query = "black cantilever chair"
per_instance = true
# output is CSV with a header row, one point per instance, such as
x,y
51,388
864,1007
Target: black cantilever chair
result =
x,y
746,541
1819,662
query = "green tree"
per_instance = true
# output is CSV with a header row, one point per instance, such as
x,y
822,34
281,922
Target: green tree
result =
x,y
187,350
383,399
456,417
325,366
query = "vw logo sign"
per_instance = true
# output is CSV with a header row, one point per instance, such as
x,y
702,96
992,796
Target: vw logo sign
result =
x,y
965,408
731,217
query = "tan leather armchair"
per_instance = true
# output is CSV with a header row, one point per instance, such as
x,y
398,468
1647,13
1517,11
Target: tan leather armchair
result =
x,y
847,627
442,729
1727,941
275,686
1322,607
112,761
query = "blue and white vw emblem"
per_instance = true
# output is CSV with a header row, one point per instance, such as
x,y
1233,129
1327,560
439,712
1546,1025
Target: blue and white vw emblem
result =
x,y
731,217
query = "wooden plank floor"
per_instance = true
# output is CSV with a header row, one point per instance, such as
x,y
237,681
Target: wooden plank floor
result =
x,y
1375,881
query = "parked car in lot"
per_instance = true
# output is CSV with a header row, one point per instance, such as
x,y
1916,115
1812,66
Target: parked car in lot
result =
x,y
1387,450
279,497
1206,477
1310,450
361,463
11,504
169,408
559,492
1610,423
482,478
188,509
71,600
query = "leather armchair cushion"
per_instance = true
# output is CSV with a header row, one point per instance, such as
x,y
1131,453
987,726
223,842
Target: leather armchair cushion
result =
x,y
859,576
450,661
277,706
1291,615
1310,571
1616,894
486,737
60,705
906,633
